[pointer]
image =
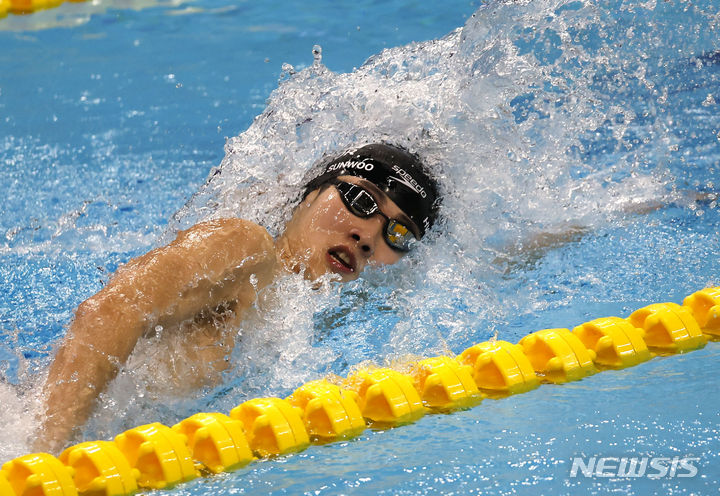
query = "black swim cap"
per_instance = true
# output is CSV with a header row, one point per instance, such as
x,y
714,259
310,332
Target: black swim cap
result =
x,y
396,172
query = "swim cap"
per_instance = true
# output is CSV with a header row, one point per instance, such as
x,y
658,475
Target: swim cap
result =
x,y
396,172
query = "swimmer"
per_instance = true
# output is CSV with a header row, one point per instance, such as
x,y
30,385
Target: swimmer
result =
x,y
368,206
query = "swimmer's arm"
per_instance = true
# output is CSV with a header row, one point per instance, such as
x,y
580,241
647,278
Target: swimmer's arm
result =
x,y
531,249
206,266
534,247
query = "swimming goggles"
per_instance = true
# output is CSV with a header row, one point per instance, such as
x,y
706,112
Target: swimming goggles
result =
x,y
360,202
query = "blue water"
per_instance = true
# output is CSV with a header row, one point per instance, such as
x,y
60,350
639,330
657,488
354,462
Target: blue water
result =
x,y
598,117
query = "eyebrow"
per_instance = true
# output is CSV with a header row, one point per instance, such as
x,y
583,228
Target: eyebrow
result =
x,y
382,200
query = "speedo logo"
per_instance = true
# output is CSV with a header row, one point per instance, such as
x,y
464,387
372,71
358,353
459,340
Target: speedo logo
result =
x,y
352,164
408,181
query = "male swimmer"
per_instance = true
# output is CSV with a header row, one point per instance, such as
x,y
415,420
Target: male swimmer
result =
x,y
367,206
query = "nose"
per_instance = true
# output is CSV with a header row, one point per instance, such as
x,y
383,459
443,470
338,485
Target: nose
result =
x,y
364,243
366,236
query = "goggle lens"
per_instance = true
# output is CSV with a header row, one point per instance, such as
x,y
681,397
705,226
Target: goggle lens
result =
x,y
398,236
362,204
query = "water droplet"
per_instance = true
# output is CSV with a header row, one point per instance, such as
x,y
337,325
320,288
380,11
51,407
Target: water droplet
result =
x,y
317,54
286,71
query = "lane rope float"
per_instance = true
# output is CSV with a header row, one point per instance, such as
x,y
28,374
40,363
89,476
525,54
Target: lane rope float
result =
x,y
155,456
21,7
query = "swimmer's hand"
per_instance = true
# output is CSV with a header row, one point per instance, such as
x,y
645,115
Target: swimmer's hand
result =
x,y
216,263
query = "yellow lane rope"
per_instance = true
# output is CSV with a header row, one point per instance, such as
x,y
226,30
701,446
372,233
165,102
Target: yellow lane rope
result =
x,y
155,456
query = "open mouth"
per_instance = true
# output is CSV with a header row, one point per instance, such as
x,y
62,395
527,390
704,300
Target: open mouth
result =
x,y
341,259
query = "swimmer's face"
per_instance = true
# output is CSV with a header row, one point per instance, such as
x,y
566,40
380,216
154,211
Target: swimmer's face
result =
x,y
325,237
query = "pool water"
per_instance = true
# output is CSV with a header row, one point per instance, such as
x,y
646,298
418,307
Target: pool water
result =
x,y
597,122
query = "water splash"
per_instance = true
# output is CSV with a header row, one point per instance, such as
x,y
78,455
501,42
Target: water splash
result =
x,y
537,117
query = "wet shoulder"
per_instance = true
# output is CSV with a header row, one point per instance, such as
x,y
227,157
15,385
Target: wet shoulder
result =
x,y
231,239
226,229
